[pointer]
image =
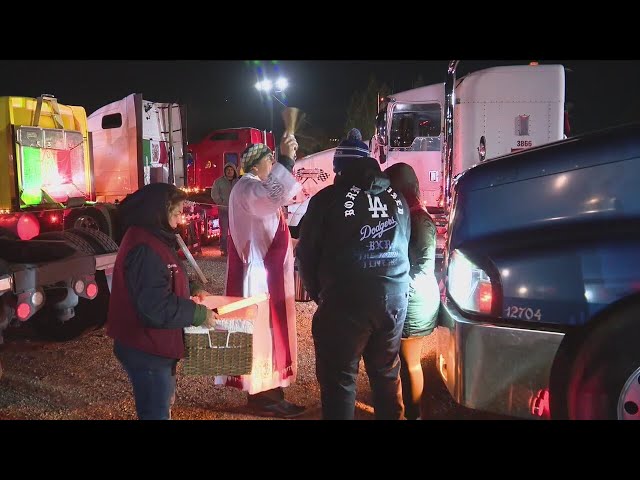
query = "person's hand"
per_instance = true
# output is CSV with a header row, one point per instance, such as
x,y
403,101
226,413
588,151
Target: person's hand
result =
x,y
210,322
200,295
289,146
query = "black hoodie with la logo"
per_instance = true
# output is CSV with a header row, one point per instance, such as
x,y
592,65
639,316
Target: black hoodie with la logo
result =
x,y
354,236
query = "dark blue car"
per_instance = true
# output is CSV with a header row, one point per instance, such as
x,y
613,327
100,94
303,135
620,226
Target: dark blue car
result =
x,y
542,311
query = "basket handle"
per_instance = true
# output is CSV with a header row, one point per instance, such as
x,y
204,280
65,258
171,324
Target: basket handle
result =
x,y
211,344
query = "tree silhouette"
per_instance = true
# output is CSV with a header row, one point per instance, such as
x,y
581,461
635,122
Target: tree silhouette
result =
x,y
311,139
363,108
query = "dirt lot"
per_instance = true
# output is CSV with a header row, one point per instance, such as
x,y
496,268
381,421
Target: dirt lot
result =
x,y
81,379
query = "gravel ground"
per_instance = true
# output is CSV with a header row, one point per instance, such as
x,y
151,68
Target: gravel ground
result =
x,y
81,379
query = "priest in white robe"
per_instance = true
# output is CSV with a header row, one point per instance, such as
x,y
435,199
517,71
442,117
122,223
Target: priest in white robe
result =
x,y
261,261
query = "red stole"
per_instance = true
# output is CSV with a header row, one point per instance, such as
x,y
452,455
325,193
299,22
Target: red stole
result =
x,y
274,264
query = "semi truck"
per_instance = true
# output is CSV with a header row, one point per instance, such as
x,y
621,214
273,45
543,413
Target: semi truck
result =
x,y
63,176
55,278
542,289
209,156
498,110
136,142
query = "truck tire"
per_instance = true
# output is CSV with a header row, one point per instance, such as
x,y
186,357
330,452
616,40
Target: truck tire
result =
x,y
100,242
71,239
90,315
602,382
90,218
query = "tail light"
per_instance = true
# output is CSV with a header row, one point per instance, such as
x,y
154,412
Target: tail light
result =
x,y
29,303
24,225
468,285
23,311
92,290
86,288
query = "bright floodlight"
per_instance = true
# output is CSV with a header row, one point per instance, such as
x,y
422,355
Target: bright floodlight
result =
x,y
265,85
281,84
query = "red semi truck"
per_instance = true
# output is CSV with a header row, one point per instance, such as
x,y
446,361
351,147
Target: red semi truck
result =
x,y
219,147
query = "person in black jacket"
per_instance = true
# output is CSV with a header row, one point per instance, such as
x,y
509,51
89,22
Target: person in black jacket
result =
x,y
151,298
353,259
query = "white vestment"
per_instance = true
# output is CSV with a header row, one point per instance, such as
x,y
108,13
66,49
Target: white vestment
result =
x,y
254,218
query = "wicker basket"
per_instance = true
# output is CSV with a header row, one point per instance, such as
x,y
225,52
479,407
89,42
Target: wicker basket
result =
x,y
218,352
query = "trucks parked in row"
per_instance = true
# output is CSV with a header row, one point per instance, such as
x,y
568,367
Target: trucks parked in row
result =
x,y
52,274
498,110
63,175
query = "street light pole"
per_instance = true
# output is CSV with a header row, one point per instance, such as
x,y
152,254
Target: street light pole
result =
x,y
271,113
266,85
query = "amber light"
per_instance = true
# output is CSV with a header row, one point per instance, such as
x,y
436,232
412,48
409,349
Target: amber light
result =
x,y
484,297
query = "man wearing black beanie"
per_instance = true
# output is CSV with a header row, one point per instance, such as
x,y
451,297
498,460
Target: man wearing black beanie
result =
x,y
353,258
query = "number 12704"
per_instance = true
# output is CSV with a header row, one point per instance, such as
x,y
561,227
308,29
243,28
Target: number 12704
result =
x,y
524,313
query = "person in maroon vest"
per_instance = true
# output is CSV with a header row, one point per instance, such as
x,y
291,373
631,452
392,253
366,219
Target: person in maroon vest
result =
x,y
151,298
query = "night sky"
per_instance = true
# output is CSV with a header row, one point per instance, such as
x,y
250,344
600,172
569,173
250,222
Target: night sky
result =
x,y
220,94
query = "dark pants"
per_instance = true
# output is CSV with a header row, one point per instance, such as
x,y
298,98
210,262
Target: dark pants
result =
x,y
344,330
223,221
153,380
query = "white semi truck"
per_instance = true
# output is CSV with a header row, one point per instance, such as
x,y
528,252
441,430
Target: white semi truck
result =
x,y
498,110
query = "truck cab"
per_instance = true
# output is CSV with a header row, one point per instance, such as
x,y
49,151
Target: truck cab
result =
x,y
209,156
498,110
541,302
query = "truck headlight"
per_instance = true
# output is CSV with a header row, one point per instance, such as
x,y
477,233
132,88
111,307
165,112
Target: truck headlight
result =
x,y
468,285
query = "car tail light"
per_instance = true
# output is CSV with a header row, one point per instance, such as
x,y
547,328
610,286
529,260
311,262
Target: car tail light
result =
x,y
468,285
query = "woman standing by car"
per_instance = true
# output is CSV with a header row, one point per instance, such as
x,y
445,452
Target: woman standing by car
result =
x,y
424,293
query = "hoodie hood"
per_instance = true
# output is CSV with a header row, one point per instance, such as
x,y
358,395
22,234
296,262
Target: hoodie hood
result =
x,y
235,169
404,180
365,173
148,208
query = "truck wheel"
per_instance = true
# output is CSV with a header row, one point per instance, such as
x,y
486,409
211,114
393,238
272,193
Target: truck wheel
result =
x,y
89,316
89,218
100,242
604,377
72,239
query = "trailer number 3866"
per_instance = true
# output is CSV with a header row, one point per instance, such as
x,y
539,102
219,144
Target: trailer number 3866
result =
x,y
524,313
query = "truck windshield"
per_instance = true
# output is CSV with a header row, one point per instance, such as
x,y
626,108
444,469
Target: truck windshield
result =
x,y
416,127
52,165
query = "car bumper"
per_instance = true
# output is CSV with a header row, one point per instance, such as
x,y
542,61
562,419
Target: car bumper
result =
x,y
504,370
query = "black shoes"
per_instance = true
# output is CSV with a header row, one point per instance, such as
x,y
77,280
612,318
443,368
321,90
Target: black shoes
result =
x,y
282,409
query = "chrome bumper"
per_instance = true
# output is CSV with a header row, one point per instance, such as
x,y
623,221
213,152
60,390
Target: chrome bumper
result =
x,y
496,369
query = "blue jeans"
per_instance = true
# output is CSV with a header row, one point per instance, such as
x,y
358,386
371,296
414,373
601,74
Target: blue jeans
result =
x,y
153,379
344,330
